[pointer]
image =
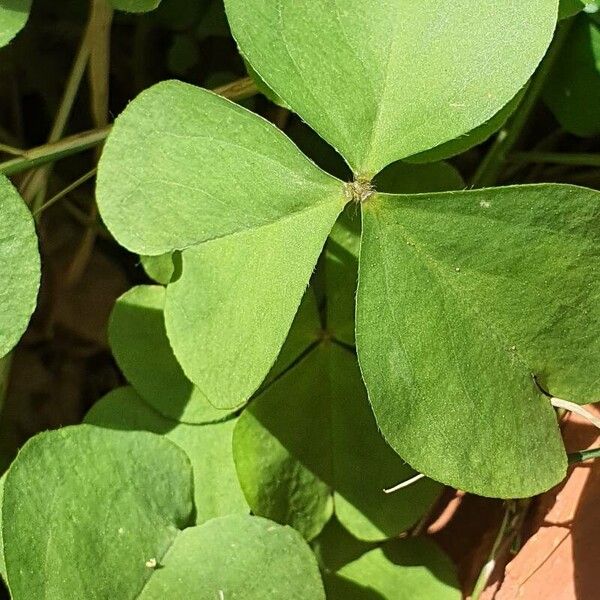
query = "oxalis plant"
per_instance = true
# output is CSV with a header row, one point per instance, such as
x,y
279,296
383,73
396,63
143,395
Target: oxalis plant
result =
x,y
322,350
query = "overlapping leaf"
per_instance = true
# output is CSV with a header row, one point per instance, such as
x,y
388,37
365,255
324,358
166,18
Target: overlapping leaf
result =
x,y
568,8
410,569
495,287
159,268
185,169
384,80
95,513
474,137
140,345
19,266
13,17
216,489
237,557
84,508
573,89
343,465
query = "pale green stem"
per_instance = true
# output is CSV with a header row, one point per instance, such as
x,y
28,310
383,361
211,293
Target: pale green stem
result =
x,y
577,409
237,90
35,189
10,150
51,152
488,567
514,516
582,455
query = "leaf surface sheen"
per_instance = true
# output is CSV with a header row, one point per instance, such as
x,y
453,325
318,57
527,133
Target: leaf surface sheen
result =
x,y
462,298
382,80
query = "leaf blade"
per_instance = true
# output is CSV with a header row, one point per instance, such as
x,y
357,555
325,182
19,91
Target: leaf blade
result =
x,y
243,343
469,319
343,67
19,266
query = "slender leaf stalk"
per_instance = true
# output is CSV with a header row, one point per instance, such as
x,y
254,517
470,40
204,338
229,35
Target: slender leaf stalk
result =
x,y
35,189
52,152
577,409
64,192
582,455
514,517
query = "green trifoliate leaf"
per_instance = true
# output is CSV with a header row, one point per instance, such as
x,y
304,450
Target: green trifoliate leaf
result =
x,y
140,345
263,88
341,269
94,513
235,557
203,170
297,479
216,488
463,298
185,169
135,6
306,331
381,81
334,547
573,89
141,348
19,266
13,17
85,508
